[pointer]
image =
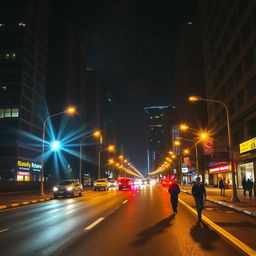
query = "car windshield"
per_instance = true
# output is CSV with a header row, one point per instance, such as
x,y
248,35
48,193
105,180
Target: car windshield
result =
x,y
66,182
101,181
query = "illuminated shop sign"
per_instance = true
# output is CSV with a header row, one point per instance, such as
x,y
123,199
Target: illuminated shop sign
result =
x,y
248,145
220,168
29,166
23,173
184,170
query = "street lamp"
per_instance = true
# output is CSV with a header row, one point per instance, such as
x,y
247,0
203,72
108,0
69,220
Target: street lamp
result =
x,y
234,190
69,111
95,134
110,148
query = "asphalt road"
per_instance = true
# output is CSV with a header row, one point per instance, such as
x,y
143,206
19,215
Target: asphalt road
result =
x,y
42,228
137,222
145,226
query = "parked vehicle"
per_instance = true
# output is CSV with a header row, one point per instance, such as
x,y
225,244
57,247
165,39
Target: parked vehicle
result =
x,y
66,188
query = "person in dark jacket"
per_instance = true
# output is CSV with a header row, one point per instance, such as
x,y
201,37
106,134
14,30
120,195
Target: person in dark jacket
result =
x,y
222,186
174,191
244,185
199,194
250,186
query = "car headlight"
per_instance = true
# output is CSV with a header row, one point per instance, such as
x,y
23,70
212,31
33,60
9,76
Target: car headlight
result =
x,y
55,189
69,188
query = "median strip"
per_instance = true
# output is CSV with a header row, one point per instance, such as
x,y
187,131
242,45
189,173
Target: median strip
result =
x,y
94,223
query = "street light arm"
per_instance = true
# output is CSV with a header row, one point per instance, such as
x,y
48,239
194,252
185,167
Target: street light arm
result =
x,y
217,101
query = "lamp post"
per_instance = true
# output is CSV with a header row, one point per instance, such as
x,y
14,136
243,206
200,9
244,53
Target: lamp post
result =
x,y
70,111
234,190
95,134
110,148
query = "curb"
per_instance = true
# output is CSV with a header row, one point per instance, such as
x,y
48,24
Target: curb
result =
x,y
230,206
7,206
242,247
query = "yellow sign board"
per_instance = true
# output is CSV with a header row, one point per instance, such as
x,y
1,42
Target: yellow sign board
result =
x,y
248,145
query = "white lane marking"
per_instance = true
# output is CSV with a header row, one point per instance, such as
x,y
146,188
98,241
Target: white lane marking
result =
x,y
3,230
124,202
94,223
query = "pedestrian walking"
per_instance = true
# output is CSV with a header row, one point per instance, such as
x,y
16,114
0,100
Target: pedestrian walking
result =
x,y
250,186
174,191
244,185
222,186
199,193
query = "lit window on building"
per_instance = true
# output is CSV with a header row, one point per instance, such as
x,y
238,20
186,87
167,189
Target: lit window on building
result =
x,y
21,24
2,24
3,88
7,112
1,113
15,112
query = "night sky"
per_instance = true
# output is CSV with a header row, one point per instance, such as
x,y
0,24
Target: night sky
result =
x,y
132,46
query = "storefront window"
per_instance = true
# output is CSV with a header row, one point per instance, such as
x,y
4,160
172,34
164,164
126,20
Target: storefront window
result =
x,y
245,171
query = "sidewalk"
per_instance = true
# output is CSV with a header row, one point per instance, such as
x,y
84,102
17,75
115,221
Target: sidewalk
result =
x,y
15,199
247,205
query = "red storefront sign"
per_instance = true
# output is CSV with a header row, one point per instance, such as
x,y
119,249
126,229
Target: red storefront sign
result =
x,y
220,168
23,173
208,146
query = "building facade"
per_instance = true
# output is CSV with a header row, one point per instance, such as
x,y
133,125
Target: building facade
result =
x,y
23,60
160,120
229,46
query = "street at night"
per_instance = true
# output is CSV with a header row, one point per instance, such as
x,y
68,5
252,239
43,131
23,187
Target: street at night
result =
x,y
135,222
127,128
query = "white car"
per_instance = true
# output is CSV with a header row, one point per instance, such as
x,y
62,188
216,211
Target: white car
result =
x,y
101,184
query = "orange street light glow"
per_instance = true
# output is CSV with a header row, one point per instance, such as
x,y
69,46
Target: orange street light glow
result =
x,y
203,135
173,156
96,134
111,161
183,127
176,143
194,98
111,148
71,110
170,152
186,151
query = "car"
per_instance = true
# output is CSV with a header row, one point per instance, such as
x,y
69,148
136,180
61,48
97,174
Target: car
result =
x,y
101,184
113,184
125,183
144,182
137,182
70,187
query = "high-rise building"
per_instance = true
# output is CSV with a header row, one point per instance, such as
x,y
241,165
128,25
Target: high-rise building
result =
x,y
160,120
23,59
190,76
228,37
